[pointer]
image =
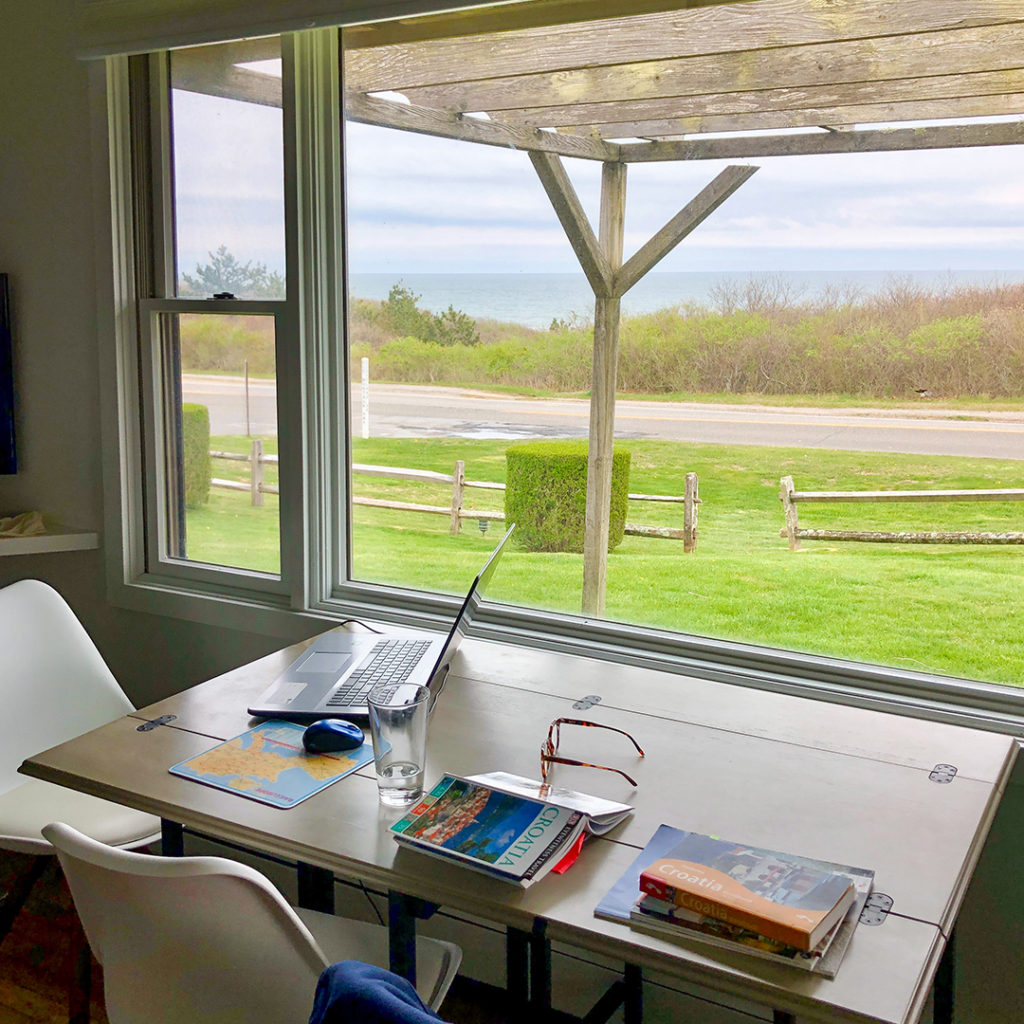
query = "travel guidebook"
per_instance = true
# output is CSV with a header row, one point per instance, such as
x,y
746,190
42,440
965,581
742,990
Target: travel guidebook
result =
x,y
781,896
269,764
494,824
627,902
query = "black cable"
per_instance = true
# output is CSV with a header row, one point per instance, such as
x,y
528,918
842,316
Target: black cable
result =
x,y
359,622
369,898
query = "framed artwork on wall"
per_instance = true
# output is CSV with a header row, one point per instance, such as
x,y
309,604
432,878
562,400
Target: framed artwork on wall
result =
x,y
8,459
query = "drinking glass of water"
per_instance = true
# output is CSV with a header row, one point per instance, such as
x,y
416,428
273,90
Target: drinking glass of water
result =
x,y
398,728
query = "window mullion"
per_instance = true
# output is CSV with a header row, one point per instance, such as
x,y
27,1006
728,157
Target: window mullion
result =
x,y
313,134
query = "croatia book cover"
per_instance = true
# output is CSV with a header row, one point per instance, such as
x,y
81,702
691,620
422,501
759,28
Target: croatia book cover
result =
x,y
793,899
505,835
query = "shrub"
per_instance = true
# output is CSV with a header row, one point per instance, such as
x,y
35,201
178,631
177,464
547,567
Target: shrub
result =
x,y
195,430
219,342
546,494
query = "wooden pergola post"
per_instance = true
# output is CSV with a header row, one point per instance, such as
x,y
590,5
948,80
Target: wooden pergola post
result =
x,y
607,309
601,259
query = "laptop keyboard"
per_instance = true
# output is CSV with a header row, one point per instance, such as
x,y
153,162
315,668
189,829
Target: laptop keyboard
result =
x,y
390,662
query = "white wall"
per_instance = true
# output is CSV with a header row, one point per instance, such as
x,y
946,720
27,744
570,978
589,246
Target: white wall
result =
x,y
46,246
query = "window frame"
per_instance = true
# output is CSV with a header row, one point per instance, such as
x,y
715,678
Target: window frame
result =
x,y
314,393
155,351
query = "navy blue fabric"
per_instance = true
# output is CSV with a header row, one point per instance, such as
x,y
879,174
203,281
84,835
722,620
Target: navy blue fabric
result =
x,y
351,992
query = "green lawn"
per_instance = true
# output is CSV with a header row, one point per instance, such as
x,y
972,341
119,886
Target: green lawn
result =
x,y
945,608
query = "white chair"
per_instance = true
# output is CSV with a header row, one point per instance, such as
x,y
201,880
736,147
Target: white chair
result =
x,y
55,686
186,939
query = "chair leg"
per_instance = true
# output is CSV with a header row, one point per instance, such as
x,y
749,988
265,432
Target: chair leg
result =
x,y
14,899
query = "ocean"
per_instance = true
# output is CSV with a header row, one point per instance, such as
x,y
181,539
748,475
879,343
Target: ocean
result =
x,y
535,300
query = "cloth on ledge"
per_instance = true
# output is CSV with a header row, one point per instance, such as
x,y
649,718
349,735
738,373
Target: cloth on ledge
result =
x,y
28,524
351,991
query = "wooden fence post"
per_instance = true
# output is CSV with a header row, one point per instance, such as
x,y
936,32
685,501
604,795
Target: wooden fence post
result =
x,y
690,513
256,476
458,488
789,507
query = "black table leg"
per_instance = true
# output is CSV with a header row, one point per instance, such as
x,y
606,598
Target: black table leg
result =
x,y
944,989
80,967
540,969
172,838
517,971
633,1008
782,1017
402,936
315,888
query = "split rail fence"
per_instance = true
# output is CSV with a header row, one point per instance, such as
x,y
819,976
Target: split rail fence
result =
x,y
790,497
455,510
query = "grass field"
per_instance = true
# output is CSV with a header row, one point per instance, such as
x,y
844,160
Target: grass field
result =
x,y
951,609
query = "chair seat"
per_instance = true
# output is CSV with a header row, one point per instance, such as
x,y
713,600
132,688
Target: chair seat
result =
x,y
341,938
25,809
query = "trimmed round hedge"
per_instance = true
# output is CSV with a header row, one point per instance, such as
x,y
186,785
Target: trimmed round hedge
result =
x,y
195,429
546,494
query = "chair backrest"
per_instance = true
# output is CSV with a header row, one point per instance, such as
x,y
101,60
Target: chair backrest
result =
x,y
187,939
53,681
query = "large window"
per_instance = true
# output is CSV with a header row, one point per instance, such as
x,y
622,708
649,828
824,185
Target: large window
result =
x,y
354,439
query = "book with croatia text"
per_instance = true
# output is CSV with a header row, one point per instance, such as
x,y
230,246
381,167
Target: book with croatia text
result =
x,y
501,833
792,899
669,921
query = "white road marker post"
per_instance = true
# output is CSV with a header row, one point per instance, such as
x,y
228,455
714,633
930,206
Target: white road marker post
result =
x,y
365,365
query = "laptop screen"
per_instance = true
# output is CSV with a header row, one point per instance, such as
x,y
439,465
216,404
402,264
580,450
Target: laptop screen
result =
x,y
469,606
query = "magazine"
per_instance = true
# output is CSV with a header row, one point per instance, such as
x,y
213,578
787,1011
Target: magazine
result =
x,y
495,824
602,815
620,902
792,899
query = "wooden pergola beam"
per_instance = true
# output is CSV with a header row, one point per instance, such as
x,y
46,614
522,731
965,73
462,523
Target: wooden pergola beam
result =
x,y
812,143
810,117
485,20
988,48
585,115
443,124
193,74
699,31
248,86
689,217
574,221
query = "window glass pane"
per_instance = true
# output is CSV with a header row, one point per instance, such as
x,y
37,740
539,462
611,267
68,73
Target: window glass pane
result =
x,y
832,322
224,482
228,169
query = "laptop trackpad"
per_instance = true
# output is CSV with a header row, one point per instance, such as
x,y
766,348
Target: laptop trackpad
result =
x,y
321,662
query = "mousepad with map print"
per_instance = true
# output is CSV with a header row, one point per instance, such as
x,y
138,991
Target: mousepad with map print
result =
x,y
269,764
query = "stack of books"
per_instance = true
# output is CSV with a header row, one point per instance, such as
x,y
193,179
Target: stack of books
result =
x,y
686,887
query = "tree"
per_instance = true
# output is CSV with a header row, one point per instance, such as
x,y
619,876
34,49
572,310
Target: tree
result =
x,y
224,273
400,314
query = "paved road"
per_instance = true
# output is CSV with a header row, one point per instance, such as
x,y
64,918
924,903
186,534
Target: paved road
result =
x,y
413,411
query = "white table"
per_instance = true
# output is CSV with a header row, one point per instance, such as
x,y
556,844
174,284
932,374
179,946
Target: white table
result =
x,y
818,779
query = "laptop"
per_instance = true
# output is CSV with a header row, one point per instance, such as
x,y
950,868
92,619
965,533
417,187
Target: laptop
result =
x,y
332,677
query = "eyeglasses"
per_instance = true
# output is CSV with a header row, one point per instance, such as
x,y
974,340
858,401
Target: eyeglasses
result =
x,y
549,752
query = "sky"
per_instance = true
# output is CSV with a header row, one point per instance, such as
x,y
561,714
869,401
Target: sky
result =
x,y
419,204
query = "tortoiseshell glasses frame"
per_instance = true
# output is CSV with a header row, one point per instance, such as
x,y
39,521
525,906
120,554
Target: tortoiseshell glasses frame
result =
x,y
549,752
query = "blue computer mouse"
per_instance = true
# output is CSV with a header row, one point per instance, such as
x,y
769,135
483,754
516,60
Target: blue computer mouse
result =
x,y
332,734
